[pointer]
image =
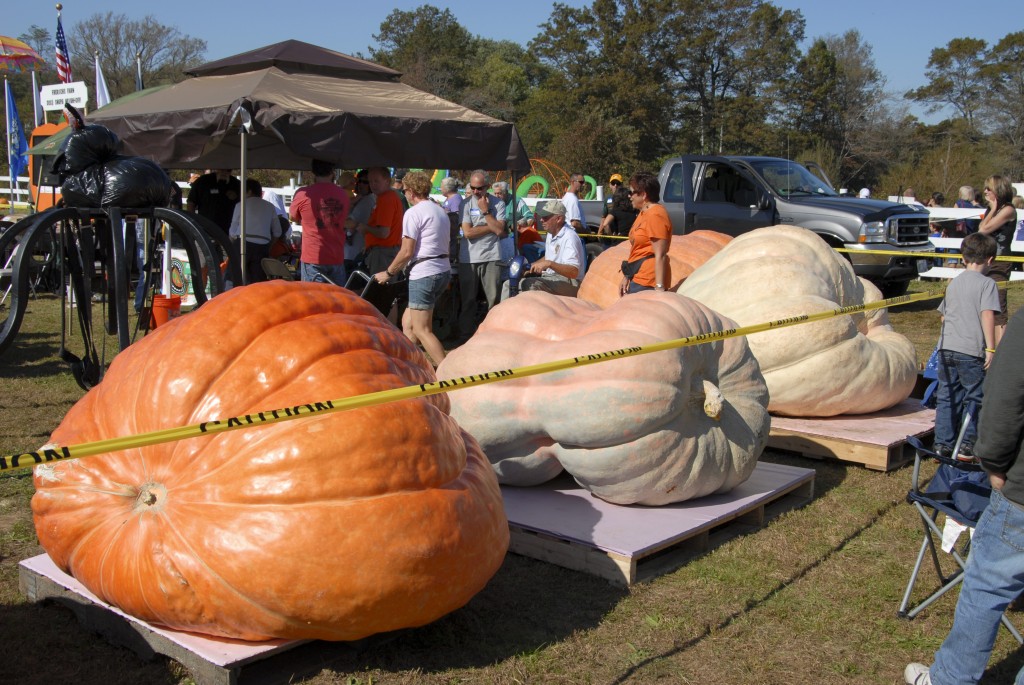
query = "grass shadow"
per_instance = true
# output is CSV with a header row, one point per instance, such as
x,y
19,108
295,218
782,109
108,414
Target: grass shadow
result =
x,y
828,474
539,604
68,647
1006,669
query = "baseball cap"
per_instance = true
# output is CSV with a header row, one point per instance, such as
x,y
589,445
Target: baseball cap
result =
x,y
551,208
615,177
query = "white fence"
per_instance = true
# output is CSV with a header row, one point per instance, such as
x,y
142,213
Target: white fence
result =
x,y
22,194
952,245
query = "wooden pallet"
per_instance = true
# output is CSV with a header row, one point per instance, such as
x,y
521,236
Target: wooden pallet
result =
x,y
878,441
210,660
563,524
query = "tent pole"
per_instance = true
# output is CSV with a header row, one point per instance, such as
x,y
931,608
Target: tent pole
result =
x,y
243,130
515,219
243,159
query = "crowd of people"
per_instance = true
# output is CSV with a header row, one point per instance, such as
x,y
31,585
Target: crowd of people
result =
x,y
388,226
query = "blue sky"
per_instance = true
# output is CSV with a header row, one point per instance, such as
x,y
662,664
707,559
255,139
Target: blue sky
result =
x,y
902,33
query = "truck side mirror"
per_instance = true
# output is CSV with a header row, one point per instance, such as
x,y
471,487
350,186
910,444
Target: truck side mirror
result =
x,y
763,201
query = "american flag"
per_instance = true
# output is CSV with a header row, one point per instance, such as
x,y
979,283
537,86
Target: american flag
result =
x,y
63,60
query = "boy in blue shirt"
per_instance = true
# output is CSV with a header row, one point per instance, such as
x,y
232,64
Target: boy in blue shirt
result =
x,y
966,343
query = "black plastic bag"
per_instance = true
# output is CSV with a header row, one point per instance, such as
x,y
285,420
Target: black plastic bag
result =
x,y
123,182
135,182
84,189
84,148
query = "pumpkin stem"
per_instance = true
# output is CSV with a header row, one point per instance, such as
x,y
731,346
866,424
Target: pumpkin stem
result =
x,y
713,400
151,496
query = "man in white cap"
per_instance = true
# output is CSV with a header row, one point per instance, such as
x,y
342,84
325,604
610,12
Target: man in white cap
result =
x,y
864,193
564,262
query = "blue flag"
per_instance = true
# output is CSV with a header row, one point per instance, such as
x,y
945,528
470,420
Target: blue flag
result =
x,y
17,145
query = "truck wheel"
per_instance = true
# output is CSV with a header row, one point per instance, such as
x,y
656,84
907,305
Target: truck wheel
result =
x,y
593,250
894,288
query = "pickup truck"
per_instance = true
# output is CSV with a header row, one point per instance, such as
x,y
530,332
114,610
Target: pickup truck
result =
x,y
734,195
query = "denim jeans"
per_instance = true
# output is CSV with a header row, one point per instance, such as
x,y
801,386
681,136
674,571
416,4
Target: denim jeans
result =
x,y
994,578
424,292
960,382
324,273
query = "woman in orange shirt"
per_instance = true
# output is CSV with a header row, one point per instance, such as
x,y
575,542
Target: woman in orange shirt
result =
x,y
648,267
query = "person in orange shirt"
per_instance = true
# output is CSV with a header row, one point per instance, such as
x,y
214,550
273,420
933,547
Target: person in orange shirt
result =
x,y
383,230
648,267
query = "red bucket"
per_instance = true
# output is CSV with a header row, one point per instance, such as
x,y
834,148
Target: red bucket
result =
x,y
165,308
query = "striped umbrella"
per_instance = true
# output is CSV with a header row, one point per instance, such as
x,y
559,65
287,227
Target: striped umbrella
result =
x,y
16,55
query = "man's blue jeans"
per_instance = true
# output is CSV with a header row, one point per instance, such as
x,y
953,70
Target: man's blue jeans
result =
x,y
960,381
994,578
323,273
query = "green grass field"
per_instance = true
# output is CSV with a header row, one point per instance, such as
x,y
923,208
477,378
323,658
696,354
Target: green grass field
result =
x,y
810,598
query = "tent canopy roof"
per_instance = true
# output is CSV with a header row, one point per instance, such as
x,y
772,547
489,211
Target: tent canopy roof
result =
x,y
295,56
359,115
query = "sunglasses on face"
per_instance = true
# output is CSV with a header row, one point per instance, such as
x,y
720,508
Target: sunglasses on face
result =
x,y
472,187
636,192
616,183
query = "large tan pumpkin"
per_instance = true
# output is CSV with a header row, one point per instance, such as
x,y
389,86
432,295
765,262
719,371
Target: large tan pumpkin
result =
x,y
333,527
854,364
650,429
687,252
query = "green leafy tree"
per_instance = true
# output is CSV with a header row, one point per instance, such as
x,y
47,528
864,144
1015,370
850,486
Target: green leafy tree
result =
x,y
165,52
41,40
1004,104
430,47
812,98
600,78
955,78
714,53
504,79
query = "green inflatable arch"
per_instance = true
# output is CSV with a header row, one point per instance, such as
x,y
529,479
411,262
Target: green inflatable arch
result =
x,y
529,181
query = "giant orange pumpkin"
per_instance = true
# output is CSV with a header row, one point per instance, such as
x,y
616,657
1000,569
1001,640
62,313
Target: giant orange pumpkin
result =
x,y
687,252
332,527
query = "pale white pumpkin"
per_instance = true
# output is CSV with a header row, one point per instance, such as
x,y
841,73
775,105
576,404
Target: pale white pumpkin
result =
x,y
649,429
855,364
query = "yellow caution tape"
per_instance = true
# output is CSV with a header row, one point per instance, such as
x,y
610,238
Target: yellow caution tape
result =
x,y
943,255
603,236
30,459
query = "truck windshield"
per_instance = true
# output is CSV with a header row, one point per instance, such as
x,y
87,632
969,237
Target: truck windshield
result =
x,y
790,179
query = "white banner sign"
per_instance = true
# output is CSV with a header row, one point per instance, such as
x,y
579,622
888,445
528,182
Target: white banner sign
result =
x,y
53,97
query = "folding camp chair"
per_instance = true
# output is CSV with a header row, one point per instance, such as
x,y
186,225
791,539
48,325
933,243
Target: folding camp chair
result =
x,y
276,269
959,490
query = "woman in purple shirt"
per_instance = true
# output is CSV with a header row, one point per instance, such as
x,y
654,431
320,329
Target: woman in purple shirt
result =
x,y
424,255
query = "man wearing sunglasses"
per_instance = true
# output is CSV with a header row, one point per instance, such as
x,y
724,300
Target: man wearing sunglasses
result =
x,y
573,211
483,227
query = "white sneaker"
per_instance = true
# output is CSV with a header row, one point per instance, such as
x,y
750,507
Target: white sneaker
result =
x,y
916,674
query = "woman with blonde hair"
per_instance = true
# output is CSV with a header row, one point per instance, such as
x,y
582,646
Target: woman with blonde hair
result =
x,y
424,254
999,222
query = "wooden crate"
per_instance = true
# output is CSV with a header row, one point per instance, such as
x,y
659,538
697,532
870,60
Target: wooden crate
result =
x,y
565,525
878,441
210,660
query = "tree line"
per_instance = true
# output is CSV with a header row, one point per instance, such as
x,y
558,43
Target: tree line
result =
x,y
620,85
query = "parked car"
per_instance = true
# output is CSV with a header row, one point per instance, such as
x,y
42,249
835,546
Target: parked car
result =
x,y
733,195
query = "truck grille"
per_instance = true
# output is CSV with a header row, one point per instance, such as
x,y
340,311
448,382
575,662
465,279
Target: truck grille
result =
x,y
907,230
